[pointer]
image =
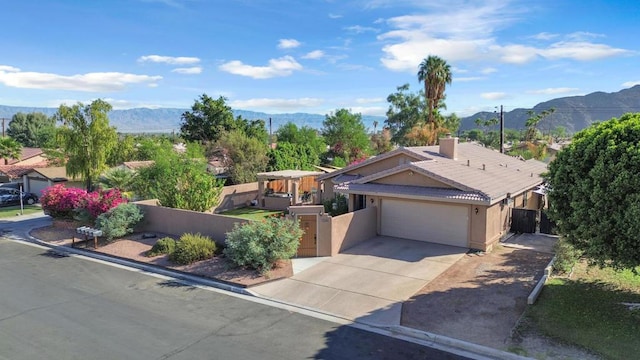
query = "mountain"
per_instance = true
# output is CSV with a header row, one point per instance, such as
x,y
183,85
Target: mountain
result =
x,y
168,119
573,112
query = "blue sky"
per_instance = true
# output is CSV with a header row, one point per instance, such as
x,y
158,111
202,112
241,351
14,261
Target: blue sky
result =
x,y
312,56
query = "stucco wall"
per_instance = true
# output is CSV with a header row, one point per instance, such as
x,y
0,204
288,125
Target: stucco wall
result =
x,y
352,228
497,223
410,178
237,196
177,222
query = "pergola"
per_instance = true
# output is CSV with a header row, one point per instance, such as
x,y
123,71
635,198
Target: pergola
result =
x,y
292,181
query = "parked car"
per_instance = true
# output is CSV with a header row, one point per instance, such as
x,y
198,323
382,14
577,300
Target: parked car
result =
x,y
10,197
11,185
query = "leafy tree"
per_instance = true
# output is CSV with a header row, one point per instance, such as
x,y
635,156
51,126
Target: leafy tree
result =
x,y
117,178
346,134
292,156
148,147
381,142
207,120
424,134
125,150
293,134
86,139
179,180
595,192
406,110
452,123
435,73
9,149
33,129
533,121
559,133
245,156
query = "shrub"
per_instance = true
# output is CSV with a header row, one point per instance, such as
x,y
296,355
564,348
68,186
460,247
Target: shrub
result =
x,y
119,221
191,248
566,256
60,202
341,205
260,244
98,202
166,245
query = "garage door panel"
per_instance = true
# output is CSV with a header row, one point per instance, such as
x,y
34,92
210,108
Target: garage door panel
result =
x,y
438,223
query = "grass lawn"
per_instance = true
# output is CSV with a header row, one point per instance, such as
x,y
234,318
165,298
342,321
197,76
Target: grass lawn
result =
x,y
11,211
252,213
586,311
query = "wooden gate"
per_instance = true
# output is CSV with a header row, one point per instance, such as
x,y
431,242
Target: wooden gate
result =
x,y
308,243
523,220
546,225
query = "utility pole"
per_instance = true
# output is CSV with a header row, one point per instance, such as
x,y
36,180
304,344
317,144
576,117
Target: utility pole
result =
x,y
3,120
501,130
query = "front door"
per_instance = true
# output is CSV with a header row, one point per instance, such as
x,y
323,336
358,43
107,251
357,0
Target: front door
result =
x,y
308,241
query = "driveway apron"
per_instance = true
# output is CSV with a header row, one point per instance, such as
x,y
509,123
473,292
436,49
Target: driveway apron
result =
x,y
367,282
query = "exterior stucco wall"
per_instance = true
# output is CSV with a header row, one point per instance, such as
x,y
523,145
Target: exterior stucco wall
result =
x,y
237,196
410,178
352,228
498,217
478,227
324,235
177,222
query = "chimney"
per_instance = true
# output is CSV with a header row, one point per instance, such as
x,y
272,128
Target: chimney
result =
x,y
449,147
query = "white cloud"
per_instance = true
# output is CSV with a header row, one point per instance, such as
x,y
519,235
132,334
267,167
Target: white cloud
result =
x,y
334,16
544,36
488,70
466,32
90,82
189,70
631,83
493,95
288,44
283,66
7,68
469,78
369,100
553,91
279,104
179,60
361,29
315,54
117,104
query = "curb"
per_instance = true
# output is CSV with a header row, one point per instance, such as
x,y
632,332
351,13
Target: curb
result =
x,y
460,347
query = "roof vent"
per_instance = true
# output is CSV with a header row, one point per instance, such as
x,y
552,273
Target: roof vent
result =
x,y
484,167
468,162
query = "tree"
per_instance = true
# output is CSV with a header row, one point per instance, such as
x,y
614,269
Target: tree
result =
x,y
125,150
533,121
594,192
346,134
9,149
288,156
304,135
118,178
244,156
207,120
86,139
179,180
436,74
405,111
32,129
452,123
381,142
424,134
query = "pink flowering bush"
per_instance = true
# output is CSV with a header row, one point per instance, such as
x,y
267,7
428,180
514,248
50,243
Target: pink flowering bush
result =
x,y
60,202
68,203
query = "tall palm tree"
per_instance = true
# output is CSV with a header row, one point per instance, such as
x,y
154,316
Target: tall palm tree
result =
x,y
436,74
9,149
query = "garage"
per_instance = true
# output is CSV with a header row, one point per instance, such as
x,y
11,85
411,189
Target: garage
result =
x,y
425,221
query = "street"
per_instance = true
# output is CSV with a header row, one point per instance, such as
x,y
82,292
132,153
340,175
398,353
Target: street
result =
x,y
64,307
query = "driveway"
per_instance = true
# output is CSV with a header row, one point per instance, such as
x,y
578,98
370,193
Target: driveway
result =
x,y
369,281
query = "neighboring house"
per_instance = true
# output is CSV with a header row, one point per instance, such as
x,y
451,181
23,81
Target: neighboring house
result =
x,y
30,157
38,179
135,165
454,194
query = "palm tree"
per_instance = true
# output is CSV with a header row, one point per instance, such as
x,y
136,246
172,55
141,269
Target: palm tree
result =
x,y
436,74
9,149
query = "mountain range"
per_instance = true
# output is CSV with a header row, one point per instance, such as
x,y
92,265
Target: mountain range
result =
x,y
573,112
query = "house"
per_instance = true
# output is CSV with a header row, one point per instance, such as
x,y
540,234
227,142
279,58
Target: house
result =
x,y
38,179
457,194
29,157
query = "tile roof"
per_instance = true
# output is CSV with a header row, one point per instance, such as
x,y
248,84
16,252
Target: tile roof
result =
x,y
26,153
413,192
54,173
288,174
477,170
15,171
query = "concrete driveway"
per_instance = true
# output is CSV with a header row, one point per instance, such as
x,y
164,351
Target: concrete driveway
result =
x,y
368,282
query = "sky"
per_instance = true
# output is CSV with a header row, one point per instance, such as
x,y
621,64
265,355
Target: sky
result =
x,y
313,56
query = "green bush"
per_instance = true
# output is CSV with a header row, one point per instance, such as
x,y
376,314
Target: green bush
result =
x,y
566,256
191,248
341,205
119,221
166,245
260,244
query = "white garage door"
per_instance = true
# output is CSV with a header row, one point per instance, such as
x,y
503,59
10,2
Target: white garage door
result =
x,y
36,186
438,223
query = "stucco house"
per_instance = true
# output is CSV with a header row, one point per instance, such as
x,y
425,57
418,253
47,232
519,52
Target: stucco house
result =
x,y
457,194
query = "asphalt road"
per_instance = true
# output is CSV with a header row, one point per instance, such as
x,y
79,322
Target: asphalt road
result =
x,y
54,307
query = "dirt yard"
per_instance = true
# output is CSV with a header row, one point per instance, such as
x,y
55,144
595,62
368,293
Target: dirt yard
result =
x,y
481,298
134,247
